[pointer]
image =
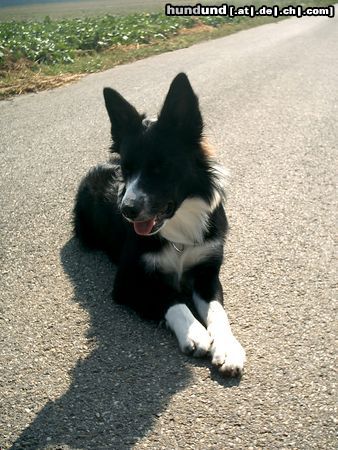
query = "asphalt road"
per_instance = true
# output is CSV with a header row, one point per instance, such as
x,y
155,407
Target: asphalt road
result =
x,y
78,372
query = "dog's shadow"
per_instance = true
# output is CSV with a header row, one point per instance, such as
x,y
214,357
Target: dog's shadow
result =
x,y
117,391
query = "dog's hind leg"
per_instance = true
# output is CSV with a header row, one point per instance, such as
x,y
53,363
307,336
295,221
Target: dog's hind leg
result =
x,y
97,220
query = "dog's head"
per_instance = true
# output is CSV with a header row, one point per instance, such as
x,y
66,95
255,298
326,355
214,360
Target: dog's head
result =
x,y
163,162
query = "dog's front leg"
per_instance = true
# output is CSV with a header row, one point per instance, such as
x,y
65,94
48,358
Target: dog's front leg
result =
x,y
192,336
226,352
152,297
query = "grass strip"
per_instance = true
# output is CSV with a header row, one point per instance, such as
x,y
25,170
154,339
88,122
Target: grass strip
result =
x,y
42,55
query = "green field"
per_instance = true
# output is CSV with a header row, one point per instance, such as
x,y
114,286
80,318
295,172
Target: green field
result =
x,y
44,52
52,42
89,8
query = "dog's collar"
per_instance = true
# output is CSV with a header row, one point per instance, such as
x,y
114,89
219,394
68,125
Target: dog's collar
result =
x,y
178,247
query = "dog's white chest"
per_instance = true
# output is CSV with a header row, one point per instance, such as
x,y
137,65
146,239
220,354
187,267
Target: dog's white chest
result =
x,y
175,260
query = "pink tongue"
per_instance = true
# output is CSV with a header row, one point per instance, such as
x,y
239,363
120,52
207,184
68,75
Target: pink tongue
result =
x,y
144,228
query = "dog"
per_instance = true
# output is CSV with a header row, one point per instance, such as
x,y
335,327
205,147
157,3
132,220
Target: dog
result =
x,y
157,210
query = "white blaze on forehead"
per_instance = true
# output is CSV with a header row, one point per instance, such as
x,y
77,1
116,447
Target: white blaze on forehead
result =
x,y
133,190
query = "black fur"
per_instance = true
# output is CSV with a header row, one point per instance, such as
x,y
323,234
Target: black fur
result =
x,y
173,166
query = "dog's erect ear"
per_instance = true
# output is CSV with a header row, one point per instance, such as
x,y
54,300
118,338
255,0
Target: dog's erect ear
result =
x,y
180,112
124,118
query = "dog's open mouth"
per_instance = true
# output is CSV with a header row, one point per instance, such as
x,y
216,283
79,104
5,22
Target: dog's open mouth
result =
x,y
154,224
147,227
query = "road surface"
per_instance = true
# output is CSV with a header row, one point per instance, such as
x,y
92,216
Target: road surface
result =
x,y
78,372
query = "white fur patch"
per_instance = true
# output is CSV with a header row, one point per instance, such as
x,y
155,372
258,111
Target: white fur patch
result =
x,y
226,352
133,190
170,261
191,334
221,178
189,223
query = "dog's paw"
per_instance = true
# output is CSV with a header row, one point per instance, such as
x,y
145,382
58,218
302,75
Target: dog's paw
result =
x,y
192,337
228,356
197,341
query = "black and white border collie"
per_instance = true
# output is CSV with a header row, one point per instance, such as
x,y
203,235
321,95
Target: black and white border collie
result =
x,y
156,208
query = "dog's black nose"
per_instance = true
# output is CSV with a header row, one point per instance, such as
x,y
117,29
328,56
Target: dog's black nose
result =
x,y
132,209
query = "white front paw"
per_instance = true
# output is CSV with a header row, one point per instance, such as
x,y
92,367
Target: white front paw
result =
x,y
197,341
229,356
192,337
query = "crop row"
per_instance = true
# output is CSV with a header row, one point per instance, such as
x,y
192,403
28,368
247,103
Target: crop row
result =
x,y
60,41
